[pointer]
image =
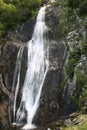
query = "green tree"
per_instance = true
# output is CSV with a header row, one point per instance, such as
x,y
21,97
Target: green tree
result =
x,y
13,12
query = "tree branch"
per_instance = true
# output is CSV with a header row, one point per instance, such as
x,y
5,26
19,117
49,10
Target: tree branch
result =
x,y
5,90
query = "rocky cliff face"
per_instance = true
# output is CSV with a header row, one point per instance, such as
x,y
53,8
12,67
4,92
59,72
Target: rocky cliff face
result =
x,y
51,106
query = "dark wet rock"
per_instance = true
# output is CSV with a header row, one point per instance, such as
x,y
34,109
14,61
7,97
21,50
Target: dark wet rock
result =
x,y
67,104
23,33
52,21
4,118
9,57
49,103
50,108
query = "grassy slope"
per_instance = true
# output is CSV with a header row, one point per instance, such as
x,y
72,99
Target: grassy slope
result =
x,y
81,126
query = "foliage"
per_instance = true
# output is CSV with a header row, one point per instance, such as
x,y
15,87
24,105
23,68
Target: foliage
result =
x,y
73,12
82,5
70,67
56,4
73,59
75,54
13,12
70,125
63,18
84,47
83,8
7,14
81,78
73,3
2,30
79,126
80,94
68,13
82,81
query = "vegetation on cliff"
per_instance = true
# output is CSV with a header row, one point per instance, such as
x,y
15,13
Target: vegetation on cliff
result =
x,y
73,22
14,12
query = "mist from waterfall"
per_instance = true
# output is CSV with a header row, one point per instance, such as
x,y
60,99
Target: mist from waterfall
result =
x,y
37,67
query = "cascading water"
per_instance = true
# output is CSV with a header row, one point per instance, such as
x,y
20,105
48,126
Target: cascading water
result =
x,y
37,67
16,80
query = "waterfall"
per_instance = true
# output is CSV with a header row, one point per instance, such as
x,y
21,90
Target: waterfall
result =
x,y
37,66
16,78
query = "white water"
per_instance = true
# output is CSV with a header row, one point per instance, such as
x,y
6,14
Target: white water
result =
x,y
17,79
37,67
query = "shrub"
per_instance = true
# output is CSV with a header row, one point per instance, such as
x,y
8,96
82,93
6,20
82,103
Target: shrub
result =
x,y
81,78
83,7
74,57
76,53
56,4
84,47
80,94
74,3
70,67
13,12
2,30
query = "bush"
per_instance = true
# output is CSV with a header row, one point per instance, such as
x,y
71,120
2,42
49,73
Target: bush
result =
x,y
70,67
13,12
56,4
80,93
74,57
83,7
2,30
84,47
76,54
74,3
81,78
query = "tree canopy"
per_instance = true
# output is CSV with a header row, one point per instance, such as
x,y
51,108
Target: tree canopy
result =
x,y
13,12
